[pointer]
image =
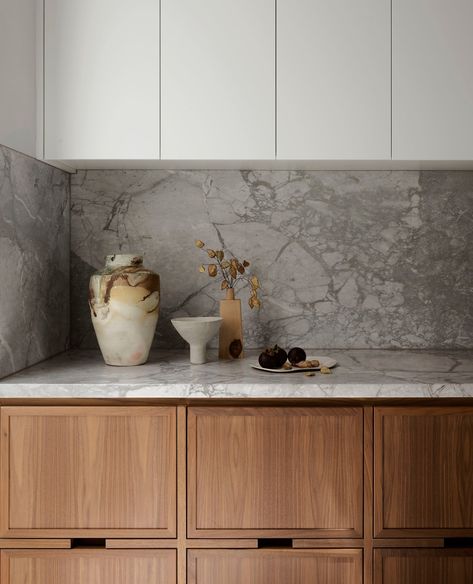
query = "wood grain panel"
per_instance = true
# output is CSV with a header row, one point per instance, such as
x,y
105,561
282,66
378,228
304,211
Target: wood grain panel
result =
x,y
35,543
423,471
413,566
88,567
72,471
190,543
274,566
275,471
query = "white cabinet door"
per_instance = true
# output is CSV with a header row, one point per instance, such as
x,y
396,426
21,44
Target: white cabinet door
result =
x,y
334,79
218,79
433,79
101,79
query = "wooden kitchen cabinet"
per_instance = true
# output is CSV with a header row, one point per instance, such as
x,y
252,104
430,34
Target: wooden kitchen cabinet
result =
x,y
423,566
432,76
101,79
88,566
88,471
218,79
268,471
275,566
423,471
334,79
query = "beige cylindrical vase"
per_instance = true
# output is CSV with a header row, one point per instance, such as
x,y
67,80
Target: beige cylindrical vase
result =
x,y
124,306
230,344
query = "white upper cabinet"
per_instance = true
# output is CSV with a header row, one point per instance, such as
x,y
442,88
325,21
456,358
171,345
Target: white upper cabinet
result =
x,y
334,79
218,79
101,79
433,79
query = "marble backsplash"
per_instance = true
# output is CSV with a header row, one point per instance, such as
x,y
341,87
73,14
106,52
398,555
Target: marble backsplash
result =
x,y
34,261
373,259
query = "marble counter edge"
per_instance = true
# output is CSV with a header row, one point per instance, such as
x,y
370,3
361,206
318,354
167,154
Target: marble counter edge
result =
x,y
235,390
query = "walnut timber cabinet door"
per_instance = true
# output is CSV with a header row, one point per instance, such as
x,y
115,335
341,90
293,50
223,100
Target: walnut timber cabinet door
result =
x,y
88,471
423,471
416,566
268,471
275,566
88,566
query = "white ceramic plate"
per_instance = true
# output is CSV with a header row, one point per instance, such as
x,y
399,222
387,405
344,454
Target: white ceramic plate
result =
x,y
324,362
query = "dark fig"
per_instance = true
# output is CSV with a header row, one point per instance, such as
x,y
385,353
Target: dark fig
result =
x,y
273,358
296,355
235,348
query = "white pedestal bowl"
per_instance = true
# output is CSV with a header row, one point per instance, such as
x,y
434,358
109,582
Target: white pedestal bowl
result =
x,y
197,331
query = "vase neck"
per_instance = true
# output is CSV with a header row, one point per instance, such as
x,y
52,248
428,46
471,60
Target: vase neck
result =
x,y
123,260
230,294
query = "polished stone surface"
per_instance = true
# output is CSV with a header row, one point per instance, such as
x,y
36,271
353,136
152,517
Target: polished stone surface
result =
x,y
34,261
359,374
379,259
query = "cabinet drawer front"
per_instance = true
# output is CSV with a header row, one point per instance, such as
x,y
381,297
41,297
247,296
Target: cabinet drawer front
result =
x,y
274,566
69,471
415,566
423,471
88,567
275,471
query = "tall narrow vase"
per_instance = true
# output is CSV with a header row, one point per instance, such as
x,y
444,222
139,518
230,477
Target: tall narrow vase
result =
x,y
124,306
231,330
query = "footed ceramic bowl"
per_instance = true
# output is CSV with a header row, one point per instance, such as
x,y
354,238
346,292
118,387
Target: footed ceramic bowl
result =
x,y
197,331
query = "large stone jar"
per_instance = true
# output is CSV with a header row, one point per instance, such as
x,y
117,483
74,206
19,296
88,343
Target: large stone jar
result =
x,y
124,305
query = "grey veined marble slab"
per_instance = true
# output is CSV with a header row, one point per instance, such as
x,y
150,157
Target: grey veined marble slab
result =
x,y
34,261
346,259
359,374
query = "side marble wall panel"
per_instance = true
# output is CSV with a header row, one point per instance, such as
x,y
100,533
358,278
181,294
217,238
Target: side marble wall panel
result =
x,y
34,261
346,259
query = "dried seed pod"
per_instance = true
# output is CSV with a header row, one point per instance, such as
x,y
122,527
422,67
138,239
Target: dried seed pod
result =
x,y
233,271
202,268
241,269
254,282
246,263
211,253
309,374
199,243
225,264
224,285
212,269
325,370
220,255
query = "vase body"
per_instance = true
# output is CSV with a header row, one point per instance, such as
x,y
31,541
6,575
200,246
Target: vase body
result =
x,y
124,306
230,345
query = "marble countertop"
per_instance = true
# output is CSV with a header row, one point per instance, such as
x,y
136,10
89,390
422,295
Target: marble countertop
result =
x,y
168,374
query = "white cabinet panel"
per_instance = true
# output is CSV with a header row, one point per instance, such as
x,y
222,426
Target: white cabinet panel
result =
x,y
334,79
101,79
17,75
433,79
218,79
